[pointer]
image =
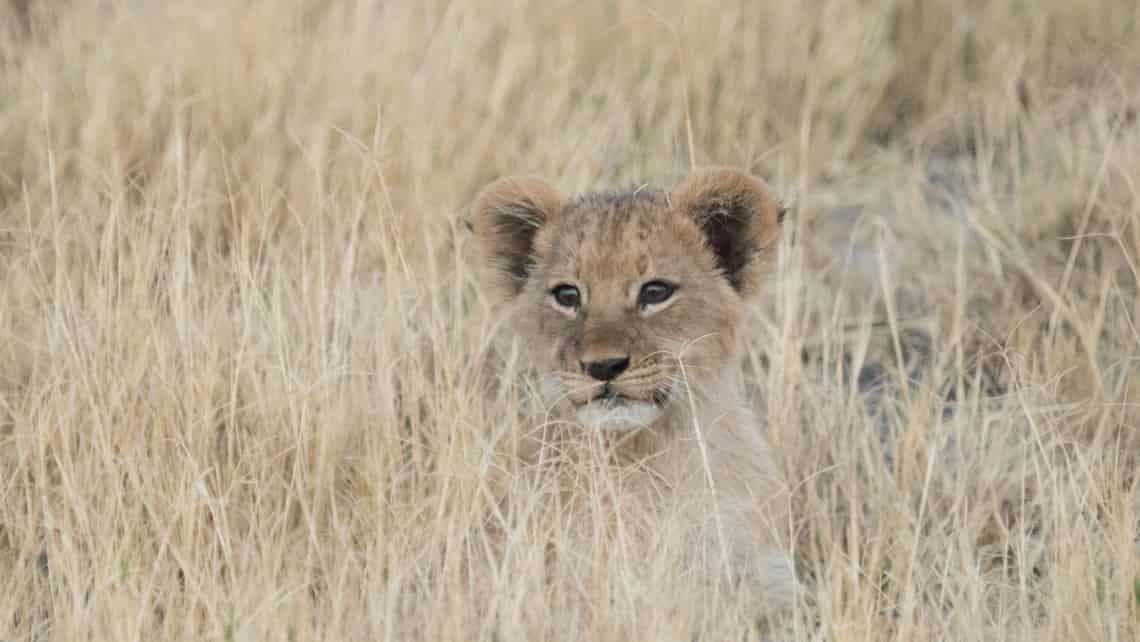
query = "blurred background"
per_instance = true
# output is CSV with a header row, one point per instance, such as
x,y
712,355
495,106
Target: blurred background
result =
x,y
241,395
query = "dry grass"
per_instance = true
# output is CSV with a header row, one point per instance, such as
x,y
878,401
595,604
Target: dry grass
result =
x,y
240,393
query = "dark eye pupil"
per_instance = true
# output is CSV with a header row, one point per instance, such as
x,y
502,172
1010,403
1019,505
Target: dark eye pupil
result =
x,y
655,292
566,296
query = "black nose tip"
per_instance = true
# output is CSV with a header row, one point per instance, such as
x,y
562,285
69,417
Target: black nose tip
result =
x,y
606,369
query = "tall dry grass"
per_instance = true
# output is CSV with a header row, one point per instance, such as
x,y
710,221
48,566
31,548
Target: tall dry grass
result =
x,y
241,395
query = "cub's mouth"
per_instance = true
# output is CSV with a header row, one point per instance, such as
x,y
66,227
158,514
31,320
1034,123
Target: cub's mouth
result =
x,y
609,395
610,409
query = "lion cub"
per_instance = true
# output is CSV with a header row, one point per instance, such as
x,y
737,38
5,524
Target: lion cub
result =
x,y
629,306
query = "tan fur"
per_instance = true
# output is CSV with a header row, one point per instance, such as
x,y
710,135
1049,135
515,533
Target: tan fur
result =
x,y
712,237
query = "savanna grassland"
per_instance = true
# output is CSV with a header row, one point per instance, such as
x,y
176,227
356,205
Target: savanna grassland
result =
x,y
243,384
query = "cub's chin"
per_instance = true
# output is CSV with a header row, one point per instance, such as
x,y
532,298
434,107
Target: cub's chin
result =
x,y
618,415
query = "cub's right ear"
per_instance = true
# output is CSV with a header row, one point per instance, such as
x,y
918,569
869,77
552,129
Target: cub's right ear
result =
x,y
505,217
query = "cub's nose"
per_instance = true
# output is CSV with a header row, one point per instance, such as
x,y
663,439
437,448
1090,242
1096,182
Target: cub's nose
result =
x,y
606,369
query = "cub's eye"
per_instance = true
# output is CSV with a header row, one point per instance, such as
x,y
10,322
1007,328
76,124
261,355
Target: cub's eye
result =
x,y
655,292
567,296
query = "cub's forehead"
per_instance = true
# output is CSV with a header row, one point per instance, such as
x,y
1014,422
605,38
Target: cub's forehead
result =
x,y
645,198
619,234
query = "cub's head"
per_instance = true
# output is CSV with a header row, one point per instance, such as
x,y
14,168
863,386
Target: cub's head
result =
x,y
620,297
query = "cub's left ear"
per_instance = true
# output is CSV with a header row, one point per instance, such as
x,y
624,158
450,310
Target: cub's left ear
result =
x,y
740,220
505,217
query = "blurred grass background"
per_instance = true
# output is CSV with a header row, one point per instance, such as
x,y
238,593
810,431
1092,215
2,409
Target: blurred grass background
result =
x,y
241,393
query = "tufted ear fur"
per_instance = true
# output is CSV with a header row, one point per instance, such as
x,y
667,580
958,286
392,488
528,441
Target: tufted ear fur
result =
x,y
740,220
505,217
